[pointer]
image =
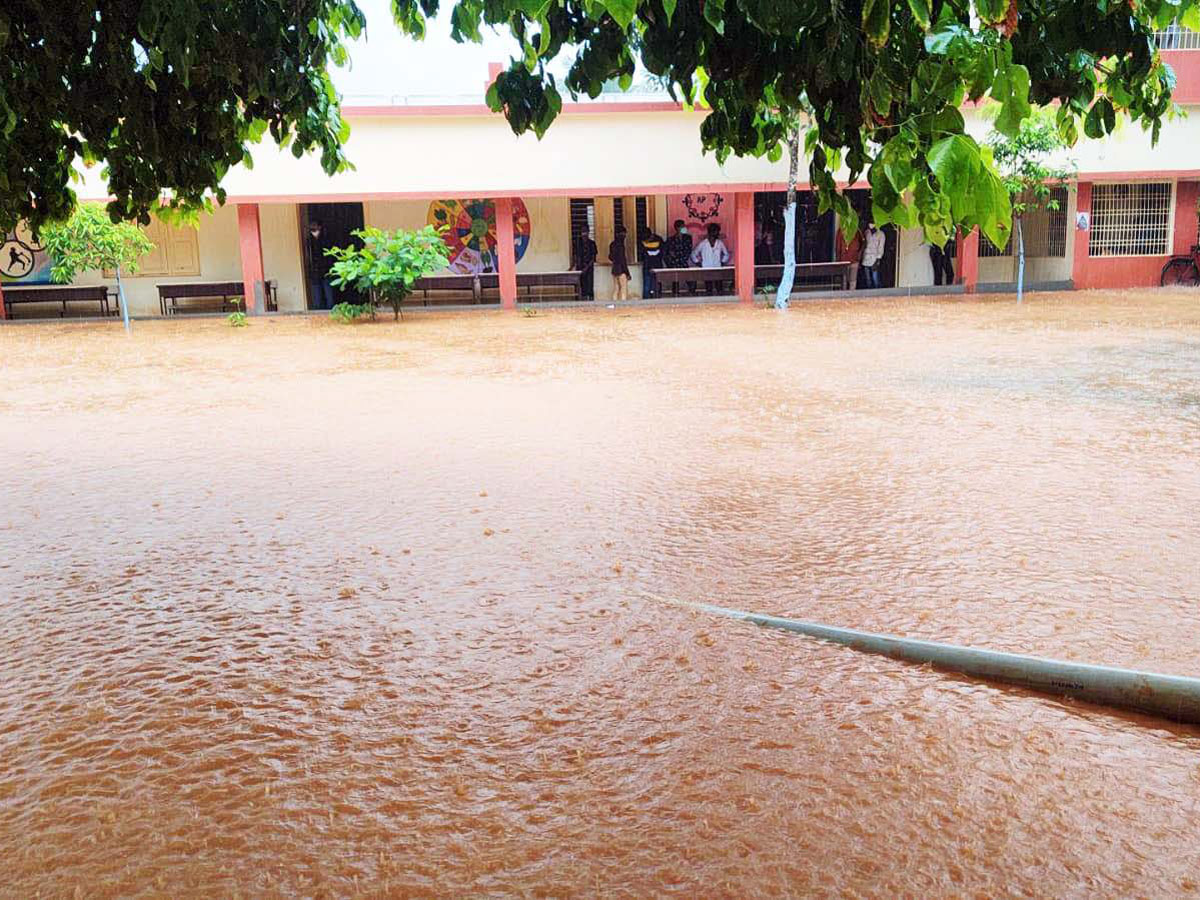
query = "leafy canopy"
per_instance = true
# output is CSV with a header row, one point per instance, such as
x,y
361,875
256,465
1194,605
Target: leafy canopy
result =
x,y
880,81
90,240
169,94
388,263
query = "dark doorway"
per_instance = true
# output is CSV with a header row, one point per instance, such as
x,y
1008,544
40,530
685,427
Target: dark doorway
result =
x,y
861,201
814,231
337,220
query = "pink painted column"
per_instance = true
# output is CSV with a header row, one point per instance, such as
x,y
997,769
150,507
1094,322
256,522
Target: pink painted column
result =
x,y
3,309
743,246
1187,224
250,239
1083,204
968,261
506,248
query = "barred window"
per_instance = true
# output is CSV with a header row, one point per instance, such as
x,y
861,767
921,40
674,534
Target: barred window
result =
x,y
1176,37
1045,231
583,218
1131,219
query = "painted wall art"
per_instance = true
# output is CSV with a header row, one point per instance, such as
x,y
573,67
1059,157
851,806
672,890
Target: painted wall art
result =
x,y
471,232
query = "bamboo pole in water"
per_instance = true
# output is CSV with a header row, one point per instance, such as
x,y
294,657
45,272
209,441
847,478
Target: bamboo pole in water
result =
x,y
1174,697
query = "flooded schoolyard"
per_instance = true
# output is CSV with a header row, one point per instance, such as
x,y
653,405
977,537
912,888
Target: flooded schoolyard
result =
x,y
321,611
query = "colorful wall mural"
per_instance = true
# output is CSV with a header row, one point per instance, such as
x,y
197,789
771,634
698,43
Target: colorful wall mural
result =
x,y
471,232
22,258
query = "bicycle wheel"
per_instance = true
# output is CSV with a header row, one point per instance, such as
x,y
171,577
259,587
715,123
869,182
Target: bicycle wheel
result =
x,y
1180,270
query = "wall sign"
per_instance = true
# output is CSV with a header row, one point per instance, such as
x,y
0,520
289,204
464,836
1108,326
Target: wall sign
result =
x,y
1083,221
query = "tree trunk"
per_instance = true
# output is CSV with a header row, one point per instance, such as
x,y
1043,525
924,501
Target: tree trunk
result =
x,y
121,300
1020,260
789,225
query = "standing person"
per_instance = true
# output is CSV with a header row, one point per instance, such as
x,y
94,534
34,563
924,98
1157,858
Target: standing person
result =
x,y
711,253
318,266
852,253
620,265
873,248
585,262
943,261
677,251
766,253
652,258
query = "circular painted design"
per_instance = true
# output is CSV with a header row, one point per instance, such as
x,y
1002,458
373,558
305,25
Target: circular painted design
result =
x,y
471,232
16,259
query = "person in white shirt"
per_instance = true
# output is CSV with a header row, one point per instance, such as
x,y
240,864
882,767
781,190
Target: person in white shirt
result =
x,y
711,253
872,253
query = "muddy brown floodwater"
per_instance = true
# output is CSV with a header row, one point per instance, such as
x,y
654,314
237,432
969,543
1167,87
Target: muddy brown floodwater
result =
x,y
301,610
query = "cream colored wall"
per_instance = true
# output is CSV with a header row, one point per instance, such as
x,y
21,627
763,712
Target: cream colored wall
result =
x,y
584,153
282,261
220,260
440,155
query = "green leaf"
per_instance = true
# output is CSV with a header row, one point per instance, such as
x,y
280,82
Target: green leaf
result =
x,y
622,11
920,11
714,14
876,20
669,9
1012,90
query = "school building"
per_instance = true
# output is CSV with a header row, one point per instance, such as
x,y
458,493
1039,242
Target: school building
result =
x,y
514,205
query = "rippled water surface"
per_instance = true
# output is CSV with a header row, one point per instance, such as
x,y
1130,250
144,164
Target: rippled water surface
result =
x,y
302,610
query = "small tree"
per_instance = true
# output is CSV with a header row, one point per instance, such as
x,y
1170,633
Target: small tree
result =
x,y
91,240
388,263
1028,176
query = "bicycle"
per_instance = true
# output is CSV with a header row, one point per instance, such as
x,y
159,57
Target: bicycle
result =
x,y
1182,269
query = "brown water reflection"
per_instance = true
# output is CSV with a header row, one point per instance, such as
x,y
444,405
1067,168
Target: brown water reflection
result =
x,y
309,611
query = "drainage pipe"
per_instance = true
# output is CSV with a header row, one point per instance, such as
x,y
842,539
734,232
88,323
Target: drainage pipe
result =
x,y
1174,697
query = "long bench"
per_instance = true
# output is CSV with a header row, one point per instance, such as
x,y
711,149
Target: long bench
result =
x,y
103,296
209,296
692,276
486,285
813,275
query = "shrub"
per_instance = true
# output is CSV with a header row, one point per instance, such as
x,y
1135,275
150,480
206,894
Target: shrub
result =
x,y
388,263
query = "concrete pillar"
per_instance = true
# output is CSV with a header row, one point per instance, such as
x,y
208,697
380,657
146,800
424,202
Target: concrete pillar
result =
x,y
743,245
1083,204
250,239
1187,224
968,261
506,252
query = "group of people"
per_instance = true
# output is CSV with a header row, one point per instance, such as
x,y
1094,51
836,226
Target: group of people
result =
x,y
675,252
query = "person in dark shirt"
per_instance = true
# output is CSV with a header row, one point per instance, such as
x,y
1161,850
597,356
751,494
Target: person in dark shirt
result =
x,y
585,262
320,288
620,265
943,261
652,258
766,251
677,251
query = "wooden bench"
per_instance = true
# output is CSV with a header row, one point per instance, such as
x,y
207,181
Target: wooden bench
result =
x,y
813,275
693,276
209,296
535,285
552,280
98,294
462,288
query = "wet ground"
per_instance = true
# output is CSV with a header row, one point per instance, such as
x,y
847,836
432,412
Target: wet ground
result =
x,y
320,611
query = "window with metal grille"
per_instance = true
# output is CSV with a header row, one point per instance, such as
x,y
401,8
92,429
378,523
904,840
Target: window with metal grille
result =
x,y
1131,219
1045,231
583,219
1176,37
